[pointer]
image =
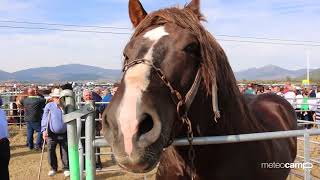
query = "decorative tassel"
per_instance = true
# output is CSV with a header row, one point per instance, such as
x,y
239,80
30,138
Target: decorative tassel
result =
x,y
215,105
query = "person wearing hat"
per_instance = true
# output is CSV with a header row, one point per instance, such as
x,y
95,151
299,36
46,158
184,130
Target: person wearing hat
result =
x,y
4,145
55,132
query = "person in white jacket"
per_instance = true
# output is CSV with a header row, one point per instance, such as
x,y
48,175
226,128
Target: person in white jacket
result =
x,y
290,96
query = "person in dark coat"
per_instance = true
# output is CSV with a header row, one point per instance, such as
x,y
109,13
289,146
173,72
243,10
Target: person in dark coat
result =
x,y
33,110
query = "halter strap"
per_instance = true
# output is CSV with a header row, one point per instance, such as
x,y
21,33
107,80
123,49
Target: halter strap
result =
x,y
193,91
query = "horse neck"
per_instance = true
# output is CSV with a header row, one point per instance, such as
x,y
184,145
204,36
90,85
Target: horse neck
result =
x,y
235,116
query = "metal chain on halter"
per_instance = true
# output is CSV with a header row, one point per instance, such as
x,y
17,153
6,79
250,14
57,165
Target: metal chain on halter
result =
x,y
184,117
191,151
181,109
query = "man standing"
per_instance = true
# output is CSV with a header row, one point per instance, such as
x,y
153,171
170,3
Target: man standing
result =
x,y
108,97
33,107
56,133
90,96
4,145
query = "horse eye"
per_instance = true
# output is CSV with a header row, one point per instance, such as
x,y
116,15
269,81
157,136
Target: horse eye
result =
x,y
192,48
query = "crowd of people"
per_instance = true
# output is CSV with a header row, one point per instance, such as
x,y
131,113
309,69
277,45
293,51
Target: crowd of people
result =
x,y
305,100
43,115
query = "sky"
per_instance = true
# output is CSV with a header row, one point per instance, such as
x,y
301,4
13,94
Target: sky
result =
x,y
272,19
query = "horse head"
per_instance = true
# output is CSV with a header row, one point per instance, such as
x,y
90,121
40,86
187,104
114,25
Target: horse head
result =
x,y
168,62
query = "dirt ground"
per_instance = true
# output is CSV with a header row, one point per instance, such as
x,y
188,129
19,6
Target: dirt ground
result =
x,y
315,154
24,164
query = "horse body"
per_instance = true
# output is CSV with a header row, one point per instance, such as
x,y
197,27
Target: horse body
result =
x,y
20,97
240,160
161,64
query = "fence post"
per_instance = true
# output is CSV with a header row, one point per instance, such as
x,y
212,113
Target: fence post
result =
x,y
90,153
307,155
80,147
72,138
20,118
79,128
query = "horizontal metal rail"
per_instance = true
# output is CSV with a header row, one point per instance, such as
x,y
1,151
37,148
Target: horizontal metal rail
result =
x,y
12,109
231,138
303,98
83,120
308,122
94,102
312,160
300,175
314,142
97,154
13,116
246,137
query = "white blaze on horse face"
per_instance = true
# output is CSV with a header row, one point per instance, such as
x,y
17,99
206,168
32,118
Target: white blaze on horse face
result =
x,y
136,82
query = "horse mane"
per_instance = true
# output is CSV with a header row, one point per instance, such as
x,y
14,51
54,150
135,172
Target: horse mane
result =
x,y
214,66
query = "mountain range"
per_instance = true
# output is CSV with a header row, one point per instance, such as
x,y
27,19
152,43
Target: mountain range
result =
x,y
78,72
271,72
70,72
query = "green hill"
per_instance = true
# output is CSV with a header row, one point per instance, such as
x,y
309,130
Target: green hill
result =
x,y
314,76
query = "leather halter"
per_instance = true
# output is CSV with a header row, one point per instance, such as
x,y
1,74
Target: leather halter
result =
x,y
183,103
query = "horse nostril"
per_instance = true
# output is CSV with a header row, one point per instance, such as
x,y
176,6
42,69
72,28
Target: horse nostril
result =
x,y
145,125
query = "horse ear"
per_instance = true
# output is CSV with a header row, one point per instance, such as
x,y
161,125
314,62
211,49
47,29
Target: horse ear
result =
x,y
136,12
194,5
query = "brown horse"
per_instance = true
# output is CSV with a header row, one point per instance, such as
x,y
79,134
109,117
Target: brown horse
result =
x,y
19,97
176,76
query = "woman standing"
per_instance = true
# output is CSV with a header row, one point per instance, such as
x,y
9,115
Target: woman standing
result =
x,y
56,133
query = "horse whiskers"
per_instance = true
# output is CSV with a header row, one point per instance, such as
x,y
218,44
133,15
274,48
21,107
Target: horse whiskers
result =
x,y
150,156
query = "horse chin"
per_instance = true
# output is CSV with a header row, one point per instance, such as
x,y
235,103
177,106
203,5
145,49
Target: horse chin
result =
x,y
140,167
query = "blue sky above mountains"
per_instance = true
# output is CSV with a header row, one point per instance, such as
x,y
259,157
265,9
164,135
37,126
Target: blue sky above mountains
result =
x,y
284,19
